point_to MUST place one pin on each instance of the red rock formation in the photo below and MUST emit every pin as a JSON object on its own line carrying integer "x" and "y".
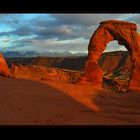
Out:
{"x": 43, "y": 73}
{"x": 4, "y": 71}
{"x": 125, "y": 33}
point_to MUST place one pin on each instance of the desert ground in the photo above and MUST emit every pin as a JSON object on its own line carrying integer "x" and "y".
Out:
{"x": 40, "y": 95}
{"x": 37, "y": 102}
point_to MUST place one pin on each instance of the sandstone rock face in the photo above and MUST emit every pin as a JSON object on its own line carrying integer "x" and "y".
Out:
{"x": 4, "y": 71}
{"x": 126, "y": 34}
{"x": 44, "y": 73}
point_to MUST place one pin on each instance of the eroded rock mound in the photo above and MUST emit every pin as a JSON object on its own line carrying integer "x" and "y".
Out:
{"x": 4, "y": 71}
{"x": 44, "y": 73}
{"x": 126, "y": 34}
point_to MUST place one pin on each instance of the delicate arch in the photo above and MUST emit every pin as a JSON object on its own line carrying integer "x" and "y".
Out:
{"x": 126, "y": 34}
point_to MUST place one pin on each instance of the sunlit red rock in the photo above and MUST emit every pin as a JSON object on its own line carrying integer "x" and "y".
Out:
{"x": 126, "y": 34}
{"x": 4, "y": 71}
{"x": 43, "y": 73}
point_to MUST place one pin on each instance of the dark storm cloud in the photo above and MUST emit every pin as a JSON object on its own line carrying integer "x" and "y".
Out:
{"x": 61, "y": 26}
{"x": 81, "y": 25}
{"x": 76, "y": 19}
{"x": 85, "y": 19}
{"x": 23, "y": 31}
{"x": 25, "y": 41}
{"x": 21, "y": 44}
{"x": 4, "y": 33}
{"x": 59, "y": 32}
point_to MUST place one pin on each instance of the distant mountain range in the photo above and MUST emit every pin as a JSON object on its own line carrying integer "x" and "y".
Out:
{"x": 14, "y": 54}
{"x": 109, "y": 62}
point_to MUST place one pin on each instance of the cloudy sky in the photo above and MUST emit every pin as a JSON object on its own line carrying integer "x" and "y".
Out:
{"x": 54, "y": 32}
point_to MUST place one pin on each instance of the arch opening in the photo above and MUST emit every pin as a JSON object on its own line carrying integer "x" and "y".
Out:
{"x": 113, "y": 46}
{"x": 116, "y": 66}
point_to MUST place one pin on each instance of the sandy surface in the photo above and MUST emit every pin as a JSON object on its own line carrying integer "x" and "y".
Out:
{"x": 37, "y": 102}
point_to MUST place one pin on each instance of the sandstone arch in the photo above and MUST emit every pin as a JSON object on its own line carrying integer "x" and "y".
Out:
{"x": 126, "y": 34}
